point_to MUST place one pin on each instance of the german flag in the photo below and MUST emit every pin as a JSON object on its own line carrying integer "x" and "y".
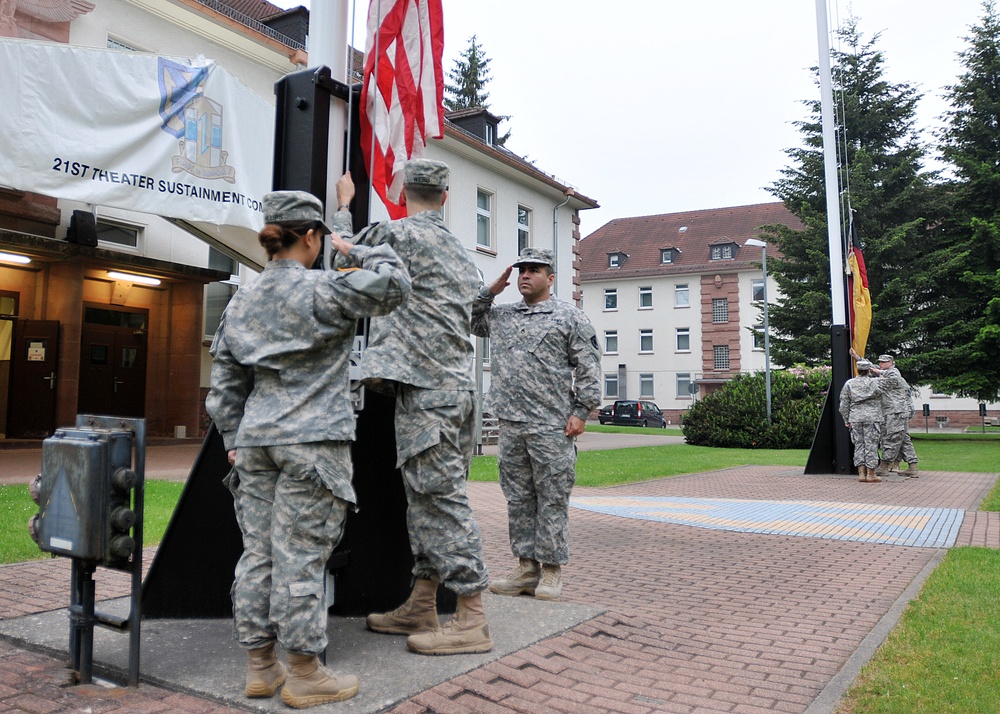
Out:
{"x": 860, "y": 297}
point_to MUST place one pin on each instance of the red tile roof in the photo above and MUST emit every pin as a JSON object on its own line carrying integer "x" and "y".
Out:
{"x": 693, "y": 233}
{"x": 256, "y": 9}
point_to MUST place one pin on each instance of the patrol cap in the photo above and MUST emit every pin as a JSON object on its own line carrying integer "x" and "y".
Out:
{"x": 426, "y": 172}
{"x": 885, "y": 358}
{"x": 864, "y": 365}
{"x": 536, "y": 256}
{"x": 290, "y": 206}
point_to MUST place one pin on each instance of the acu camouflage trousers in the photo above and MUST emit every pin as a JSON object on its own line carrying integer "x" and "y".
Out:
{"x": 435, "y": 429}
{"x": 896, "y": 444}
{"x": 865, "y": 436}
{"x": 291, "y": 522}
{"x": 537, "y": 473}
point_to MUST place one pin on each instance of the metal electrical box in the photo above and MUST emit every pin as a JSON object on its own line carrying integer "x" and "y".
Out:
{"x": 86, "y": 495}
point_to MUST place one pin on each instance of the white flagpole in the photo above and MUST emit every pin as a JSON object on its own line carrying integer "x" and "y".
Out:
{"x": 830, "y": 165}
{"x": 328, "y": 38}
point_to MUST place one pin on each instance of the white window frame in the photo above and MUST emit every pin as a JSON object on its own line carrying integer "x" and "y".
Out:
{"x": 720, "y": 358}
{"x": 683, "y": 378}
{"x": 614, "y": 260}
{"x": 646, "y": 380}
{"x": 721, "y": 252}
{"x": 610, "y": 335}
{"x": 646, "y": 335}
{"x": 685, "y": 290}
{"x": 114, "y": 245}
{"x": 666, "y": 256}
{"x": 757, "y": 290}
{"x": 485, "y": 215}
{"x": 685, "y": 334}
{"x": 523, "y": 228}
{"x": 646, "y": 292}
{"x": 717, "y": 307}
{"x": 612, "y": 293}
{"x": 611, "y": 378}
{"x": 758, "y": 337}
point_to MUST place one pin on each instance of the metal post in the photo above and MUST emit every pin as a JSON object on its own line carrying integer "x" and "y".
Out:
{"x": 767, "y": 330}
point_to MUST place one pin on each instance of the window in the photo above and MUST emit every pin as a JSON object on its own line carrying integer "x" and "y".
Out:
{"x": 610, "y": 298}
{"x": 720, "y": 357}
{"x": 118, "y": 234}
{"x": 484, "y": 220}
{"x": 610, "y": 342}
{"x": 645, "y": 386}
{"x": 757, "y": 290}
{"x": 722, "y": 252}
{"x": 645, "y": 340}
{"x": 758, "y": 336}
{"x": 683, "y": 339}
{"x": 683, "y": 385}
{"x": 523, "y": 228}
{"x": 666, "y": 256}
{"x": 218, "y": 295}
{"x": 490, "y": 134}
{"x": 114, "y": 44}
{"x": 611, "y": 385}
{"x": 645, "y": 298}
{"x": 681, "y": 296}
{"x": 720, "y": 309}
{"x": 614, "y": 260}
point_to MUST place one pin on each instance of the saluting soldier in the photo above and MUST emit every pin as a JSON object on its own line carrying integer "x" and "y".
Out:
{"x": 861, "y": 408}
{"x": 544, "y": 381}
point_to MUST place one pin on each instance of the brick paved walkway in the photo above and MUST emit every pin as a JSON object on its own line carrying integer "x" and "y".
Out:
{"x": 698, "y": 620}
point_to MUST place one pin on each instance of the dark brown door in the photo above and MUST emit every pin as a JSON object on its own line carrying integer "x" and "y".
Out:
{"x": 34, "y": 356}
{"x": 112, "y": 371}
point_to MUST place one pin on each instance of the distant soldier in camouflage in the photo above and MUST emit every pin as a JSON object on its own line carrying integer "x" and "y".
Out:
{"x": 897, "y": 404}
{"x": 544, "y": 380}
{"x": 279, "y": 397}
{"x": 422, "y": 354}
{"x": 861, "y": 408}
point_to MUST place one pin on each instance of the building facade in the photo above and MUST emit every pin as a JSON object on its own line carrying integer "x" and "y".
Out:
{"x": 677, "y": 300}
{"x": 79, "y": 332}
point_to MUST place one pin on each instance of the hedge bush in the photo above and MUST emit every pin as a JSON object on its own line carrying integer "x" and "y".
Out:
{"x": 735, "y": 416}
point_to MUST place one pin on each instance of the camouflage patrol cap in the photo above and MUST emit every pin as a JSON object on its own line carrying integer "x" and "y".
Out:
{"x": 536, "y": 256}
{"x": 426, "y": 172}
{"x": 291, "y": 206}
{"x": 864, "y": 365}
{"x": 885, "y": 358}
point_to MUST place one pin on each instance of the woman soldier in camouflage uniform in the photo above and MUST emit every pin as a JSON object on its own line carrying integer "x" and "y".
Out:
{"x": 280, "y": 399}
{"x": 861, "y": 407}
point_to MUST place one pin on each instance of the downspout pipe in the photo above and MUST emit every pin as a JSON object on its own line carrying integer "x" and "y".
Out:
{"x": 569, "y": 193}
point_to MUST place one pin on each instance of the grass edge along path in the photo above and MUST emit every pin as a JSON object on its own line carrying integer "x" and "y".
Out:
{"x": 942, "y": 655}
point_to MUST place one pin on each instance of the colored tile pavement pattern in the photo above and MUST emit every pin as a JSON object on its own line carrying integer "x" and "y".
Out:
{"x": 872, "y": 523}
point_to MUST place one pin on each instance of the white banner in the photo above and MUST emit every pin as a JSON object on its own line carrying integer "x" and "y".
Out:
{"x": 173, "y": 137}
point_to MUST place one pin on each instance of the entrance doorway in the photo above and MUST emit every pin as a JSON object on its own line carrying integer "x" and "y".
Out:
{"x": 31, "y": 411}
{"x": 113, "y": 347}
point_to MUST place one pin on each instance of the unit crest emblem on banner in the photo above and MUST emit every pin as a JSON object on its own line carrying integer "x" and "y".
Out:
{"x": 196, "y": 121}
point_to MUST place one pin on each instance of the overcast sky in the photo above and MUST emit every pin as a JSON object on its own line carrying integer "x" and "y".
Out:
{"x": 657, "y": 106}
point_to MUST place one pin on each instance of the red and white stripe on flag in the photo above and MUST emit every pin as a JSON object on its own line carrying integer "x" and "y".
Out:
{"x": 406, "y": 107}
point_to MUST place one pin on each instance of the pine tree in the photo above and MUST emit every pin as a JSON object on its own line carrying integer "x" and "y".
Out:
{"x": 880, "y": 159}
{"x": 958, "y": 325}
{"x": 469, "y": 78}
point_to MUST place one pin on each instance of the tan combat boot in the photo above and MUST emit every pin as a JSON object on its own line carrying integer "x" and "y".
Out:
{"x": 417, "y": 614}
{"x": 264, "y": 672}
{"x": 522, "y": 579}
{"x": 873, "y": 476}
{"x": 550, "y": 584}
{"x": 883, "y": 468}
{"x": 465, "y": 633}
{"x": 911, "y": 470}
{"x": 862, "y": 474}
{"x": 310, "y": 684}
{"x": 895, "y": 465}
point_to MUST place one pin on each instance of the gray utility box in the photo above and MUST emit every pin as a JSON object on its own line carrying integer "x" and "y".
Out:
{"x": 86, "y": 495}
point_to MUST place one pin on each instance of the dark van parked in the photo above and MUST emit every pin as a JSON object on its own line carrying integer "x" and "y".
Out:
{"x": 638, "y": 413}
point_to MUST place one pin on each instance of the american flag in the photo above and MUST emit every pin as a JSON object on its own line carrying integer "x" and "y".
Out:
{"x": 403, "y": 90}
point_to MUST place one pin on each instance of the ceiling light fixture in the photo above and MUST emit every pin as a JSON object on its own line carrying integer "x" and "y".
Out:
{"x": 129, "y": 277}
{"x": 14, "y": 258}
